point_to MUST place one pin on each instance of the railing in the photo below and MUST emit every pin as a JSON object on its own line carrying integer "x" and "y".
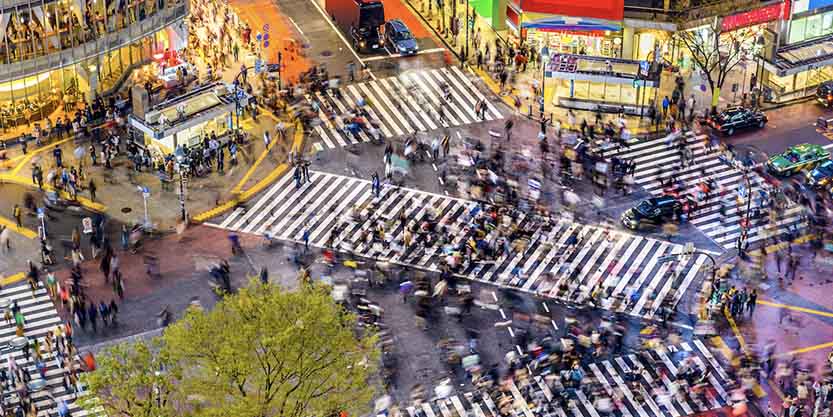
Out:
{"x": 105, "y": 43}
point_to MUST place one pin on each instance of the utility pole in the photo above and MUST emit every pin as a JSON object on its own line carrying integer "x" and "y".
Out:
{"x": 182, "y": 194}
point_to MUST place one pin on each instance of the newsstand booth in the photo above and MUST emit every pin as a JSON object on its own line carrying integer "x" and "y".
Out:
{"x": 185, "y": 120}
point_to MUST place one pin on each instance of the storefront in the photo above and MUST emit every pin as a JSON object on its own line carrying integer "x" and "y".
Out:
{"x": 606, "y": 85}
{"x": 185, "y": 120}
{"x": 572, "y": 27}
{"x": 803, "y": 58}
{"x": 37, "y": 96}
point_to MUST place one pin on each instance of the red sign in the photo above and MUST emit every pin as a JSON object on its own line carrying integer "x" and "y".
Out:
{"x": 757, "y": 16}
{"x": 598, "y": 9}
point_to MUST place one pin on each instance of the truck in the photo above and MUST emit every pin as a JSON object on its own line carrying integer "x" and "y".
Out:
{"x": 359, "y": 20}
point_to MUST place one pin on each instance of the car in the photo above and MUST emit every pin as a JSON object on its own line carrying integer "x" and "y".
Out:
{"x": 821, "y": 175}
{"x": 399, "y": 39}
{"x": 737, "y": 118}
{"x": 796, "y": 158}
{"x": 653, "y": 210}
{"x": 824, "y": 93}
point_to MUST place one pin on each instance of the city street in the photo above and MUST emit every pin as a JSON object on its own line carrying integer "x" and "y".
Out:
{"x": 514, "y": 257}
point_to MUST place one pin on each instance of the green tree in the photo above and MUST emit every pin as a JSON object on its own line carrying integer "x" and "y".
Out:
{"x": 133, "y": 380}
{"x": 268, "y": 352}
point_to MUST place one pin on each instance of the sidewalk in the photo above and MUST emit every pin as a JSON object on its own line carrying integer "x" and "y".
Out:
{"x": 183, "y": 265}
{"x": 793, "y": 315}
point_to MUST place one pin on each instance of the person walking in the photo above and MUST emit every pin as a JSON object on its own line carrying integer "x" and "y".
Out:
{"x": 690, "y": 103}
{"x": 306, "y": 239}
{"x": 18, "y": 216}
{"x": 296, "y": 174}
{"x": 751, "y": 300}
{"x": 5, "y": 240}
{"x": 91, "y": 186}
{"x": 375, "y": 184}
{"x": 267, "y": 141}
{"x": 665, "y": 103}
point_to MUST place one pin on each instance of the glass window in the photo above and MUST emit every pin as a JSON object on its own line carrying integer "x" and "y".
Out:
{"x": 827, "y": 23}
{"x": 797, "y": 30}
{"x": 628, "y": 95}
{"x": 801, "y": 80}
{"x": 613, "y": 93}
{"x": 813, "y": 28}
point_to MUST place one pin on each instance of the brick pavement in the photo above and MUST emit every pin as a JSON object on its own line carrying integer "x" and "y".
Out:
{"x": 183, "y": 264}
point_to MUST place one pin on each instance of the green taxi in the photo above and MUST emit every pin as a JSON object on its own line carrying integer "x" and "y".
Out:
{"x": 797, "y": 158}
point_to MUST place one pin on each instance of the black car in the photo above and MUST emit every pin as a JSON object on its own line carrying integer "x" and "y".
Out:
{"x": 653, "y": 210}
{"x": 824, "y": 93}
{"x": 737, "y": 118}
{"x": 399, "y": 39}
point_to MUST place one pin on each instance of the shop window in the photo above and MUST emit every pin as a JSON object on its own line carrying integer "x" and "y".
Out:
{"x": 783, "y": 84}
{"x": 597, "y": 91}
{"x": 613, "y": 93}
{"x": 827, "y": 23}
{"x": 801, "y": 80}
{"x": 797, "y": 30}
{"x": 813, "y": 27}
{"x": 629, "y": 94}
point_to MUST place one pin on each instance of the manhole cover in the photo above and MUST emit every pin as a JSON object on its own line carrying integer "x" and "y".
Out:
{"x": 126, "y": 210}
{"x": 327, "y": 53}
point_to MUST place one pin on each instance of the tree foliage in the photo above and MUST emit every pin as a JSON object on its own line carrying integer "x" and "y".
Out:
{"x": 134, "y": 380}
{"x": 267, "y": 352}
{"x": 716, "y": 54}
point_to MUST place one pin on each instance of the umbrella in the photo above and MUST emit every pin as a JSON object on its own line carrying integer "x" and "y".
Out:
{"x": 571, "y": 197}
{"x": 406, "y": 287}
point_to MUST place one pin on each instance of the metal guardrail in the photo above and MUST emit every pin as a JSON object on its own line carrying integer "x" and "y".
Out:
{"x": 104, "y": 44}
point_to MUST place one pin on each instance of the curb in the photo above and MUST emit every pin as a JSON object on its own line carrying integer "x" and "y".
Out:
{"x": 11, "y": 279}
{"x": 85, "y": 202}
{"x": 298, "y": 144}
{"x": 24, "y": 231}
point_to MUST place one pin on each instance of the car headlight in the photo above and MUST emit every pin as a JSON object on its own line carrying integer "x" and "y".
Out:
{"x": 362, "y": 44}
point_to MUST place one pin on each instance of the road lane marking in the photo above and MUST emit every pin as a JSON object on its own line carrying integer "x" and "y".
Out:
{"x": 795, "y": 308}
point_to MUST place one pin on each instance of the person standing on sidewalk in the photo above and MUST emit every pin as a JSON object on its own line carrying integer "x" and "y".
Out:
{"x": 92, "y": 189}
{"x": 17, "y": 214}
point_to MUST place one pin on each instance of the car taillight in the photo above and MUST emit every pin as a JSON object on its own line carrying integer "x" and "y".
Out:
{"x": 830, "y": 97}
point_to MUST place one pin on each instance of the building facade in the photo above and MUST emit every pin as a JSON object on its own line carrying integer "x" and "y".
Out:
{"x": 56, "y": 53}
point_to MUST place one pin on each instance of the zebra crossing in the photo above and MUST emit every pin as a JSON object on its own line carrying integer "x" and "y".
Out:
{"x": 402, "y": 104}
{"x": 645, "y": 390}
{"x": 655, "y": 160}
{"x": 562, "y": 260}
{"x": 40, "y": 318}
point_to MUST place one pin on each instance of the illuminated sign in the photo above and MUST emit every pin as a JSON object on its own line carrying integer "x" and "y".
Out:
{"x": 757, "y": 16}
{"x": 599, "y": 9}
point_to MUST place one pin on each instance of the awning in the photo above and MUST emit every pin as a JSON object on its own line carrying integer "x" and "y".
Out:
{"x": 564, "y": 23}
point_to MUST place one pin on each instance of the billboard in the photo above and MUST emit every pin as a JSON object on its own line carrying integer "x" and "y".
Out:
{"x": 598, "y": 9}
{"x": 806, "y": 5}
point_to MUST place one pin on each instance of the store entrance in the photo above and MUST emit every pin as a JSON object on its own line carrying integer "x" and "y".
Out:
{"x": 593, "y": 43}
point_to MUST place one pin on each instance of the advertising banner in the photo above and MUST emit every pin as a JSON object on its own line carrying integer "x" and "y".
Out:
{"x": 599, "y": 9}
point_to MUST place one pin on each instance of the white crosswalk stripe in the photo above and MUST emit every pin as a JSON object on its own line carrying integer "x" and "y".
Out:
{"x": 655, "y": 162}
{"x": 562, "y": 260}
{"x": 40, "y": 318}
{"x": 633, "y": 378}
{"x": 402, "y": 104}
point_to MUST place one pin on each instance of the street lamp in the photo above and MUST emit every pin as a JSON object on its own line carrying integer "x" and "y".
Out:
{"x": 744, "y": 234}
{"x": 182, "y": 165}
{"x": 545, "y": 60}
